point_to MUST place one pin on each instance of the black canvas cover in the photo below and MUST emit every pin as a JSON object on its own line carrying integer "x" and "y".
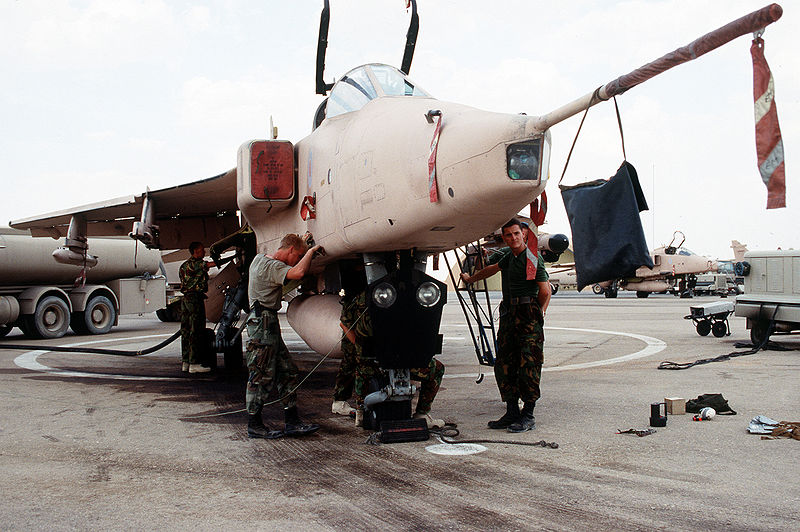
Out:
{"x": 607, "y": 234}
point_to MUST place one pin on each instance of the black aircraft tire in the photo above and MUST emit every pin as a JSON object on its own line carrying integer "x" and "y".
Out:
{"x": 51, "y": 318}
{"x": 719, "y": 329}
{"x": 5, "y": 329}
{"x": 703, "y": 327}
{"x": 234, "y": 359}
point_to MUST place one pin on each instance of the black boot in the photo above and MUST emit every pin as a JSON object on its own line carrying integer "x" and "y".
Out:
{"x": 256, "y": 428}
{"x": 526, "y": 420}
{"x": 511, "y": 415}
{"x": 296, "y": 427}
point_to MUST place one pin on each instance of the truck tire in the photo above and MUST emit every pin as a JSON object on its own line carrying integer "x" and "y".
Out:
{"x": 98, "y": 318}
{"x": 760, "y": 332}
{"x": 50, "y": 320}
{"x": 597, "y": 289}
{"x": 5, "y": 329}
{"x": 553, "y": 289}
{"x": 641, "y": 294}
{"x": 611, "y": 292}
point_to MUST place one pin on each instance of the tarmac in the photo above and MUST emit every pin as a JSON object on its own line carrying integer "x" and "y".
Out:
{"x": 126, "y": 443}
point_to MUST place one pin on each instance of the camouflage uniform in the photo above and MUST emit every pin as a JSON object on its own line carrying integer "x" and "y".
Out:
{"x": 345, "y": 378}
{"x": 367, "y": 367}
{"x": 269, "y": 363}
{"x": 194, "y": 285}
{"x": 520, "y": 336}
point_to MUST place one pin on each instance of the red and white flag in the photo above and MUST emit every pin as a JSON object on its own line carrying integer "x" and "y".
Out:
{"x": 538, "y": 212}
{"x": 769, "y": 145}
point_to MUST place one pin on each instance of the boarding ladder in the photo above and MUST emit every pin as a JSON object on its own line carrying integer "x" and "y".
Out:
{"x": 478, "y": 315}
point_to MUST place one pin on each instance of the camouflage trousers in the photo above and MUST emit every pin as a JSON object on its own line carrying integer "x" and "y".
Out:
{"x": 520, "y": 352}
{"x": 346, "y": 377}
{"x": 269, "y": 364}
{"x": 430, "y": 378}
{"x": 193, "y": 327}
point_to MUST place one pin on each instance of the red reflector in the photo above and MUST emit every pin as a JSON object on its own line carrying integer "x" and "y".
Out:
{"x": 272, "y": 170}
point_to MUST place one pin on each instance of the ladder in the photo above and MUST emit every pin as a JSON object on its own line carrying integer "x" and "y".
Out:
{"x": 478, "y": 315}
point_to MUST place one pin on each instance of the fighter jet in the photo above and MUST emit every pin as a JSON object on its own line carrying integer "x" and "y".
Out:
{"x": 388, "y": 175}
{"x": 675, "y": 270}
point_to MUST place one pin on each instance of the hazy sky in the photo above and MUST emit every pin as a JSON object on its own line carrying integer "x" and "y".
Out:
{"x": 103, "y": 98}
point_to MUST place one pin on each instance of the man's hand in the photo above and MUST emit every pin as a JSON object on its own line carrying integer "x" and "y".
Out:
{"x": 466, "y": 278}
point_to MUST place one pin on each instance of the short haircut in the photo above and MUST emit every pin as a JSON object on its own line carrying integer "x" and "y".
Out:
{"x": 195, "y": 245}
{"x": 293, "y": 240}
{"x": 512, "y": 221}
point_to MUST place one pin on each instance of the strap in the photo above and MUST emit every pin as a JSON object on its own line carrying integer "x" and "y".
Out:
{"x": 595, "y": 95}
{"x": 621, "y": 136}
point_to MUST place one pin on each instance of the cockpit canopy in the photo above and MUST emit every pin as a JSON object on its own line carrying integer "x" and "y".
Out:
{"x": 363, "y": 84}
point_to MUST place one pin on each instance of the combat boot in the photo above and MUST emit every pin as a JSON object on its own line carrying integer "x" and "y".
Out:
{"x": 296, "y": 427}
{"x": 511, "y": 416}
{"x": 257, "y": 429}
{"x": 526, "y": 420}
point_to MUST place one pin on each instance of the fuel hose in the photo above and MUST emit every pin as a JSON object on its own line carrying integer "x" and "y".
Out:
{"x": 94, "y": 350}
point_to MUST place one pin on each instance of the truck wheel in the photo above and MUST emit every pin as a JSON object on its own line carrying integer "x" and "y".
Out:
{"x": 597, "y": 289}
{"x": 5, "y": 329}
{"x": 51, "y": 318}
{"x": 553, "y": 289}
{"x": 641, "y": 294}
{"x": 98, "y": 318}
{"x": 611, "y": 292}
{"x": 759, "y": 332}
{"x": 703, "y": 327}
{"x": 719, "y": 329}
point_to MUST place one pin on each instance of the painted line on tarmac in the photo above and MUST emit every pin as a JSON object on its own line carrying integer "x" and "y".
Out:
{"x": 653, "y": 346}
{"x": 29, "y": 361}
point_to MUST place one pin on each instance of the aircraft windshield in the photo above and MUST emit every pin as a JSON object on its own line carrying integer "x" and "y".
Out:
{"x": 357, "y": 88}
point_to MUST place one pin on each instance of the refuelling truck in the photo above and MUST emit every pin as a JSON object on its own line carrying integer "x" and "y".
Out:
{"x": 45, "y": 289}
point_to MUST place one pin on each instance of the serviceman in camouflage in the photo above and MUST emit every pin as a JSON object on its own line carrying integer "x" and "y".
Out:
{"x": 194, "y": 285}
{"x": 353, "y": 284}
{"x": 520, "y": 337}
{"x": 269, "y": 363}
{"x": 357, "y": 325}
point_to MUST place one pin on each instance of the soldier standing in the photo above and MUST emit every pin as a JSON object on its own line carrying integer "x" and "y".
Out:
{"x": 194, "y": 285}
{"x": 268, "y": 360}
{"x": 520, "y": 337}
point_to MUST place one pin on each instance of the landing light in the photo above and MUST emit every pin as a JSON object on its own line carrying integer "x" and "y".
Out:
{"x": 428, "y": 294}
{"x": 523, "y": 160}
{"x": 384, "y": 295}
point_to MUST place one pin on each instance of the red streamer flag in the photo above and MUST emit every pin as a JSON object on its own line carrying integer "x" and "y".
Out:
{"x": 769, "y": 144}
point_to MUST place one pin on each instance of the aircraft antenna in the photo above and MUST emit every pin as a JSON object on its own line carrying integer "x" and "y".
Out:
{"x": 411, "y": 38}
{"x": 322, "y": 46}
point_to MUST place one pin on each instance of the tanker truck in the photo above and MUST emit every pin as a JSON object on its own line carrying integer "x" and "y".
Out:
{"x": 44, "y": 297}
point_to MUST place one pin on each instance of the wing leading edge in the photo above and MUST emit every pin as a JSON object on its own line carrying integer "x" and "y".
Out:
{"x": 203, "y": 210}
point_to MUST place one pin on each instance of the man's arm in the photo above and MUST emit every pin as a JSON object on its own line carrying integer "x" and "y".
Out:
{"x": 544, "y": 295}
{"x": 480, "y": 274}
{"x": 298, "y": 271}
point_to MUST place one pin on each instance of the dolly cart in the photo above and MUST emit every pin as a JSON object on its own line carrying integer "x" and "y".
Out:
{"x": 711, "y": 317}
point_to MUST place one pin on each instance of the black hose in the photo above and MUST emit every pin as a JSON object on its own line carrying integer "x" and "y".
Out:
{"x": 94, "y": 350}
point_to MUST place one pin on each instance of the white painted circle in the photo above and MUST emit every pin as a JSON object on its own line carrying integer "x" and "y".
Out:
{"x": 653, "y": 346}
{"x": 455, "y": 449}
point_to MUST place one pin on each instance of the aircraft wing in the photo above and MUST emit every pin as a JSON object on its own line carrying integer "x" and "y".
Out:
{"x": 203, "y": 210}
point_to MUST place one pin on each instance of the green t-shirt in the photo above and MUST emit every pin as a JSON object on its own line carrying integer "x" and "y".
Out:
{"x": 513, "y": 273}
{"x": 265, "y": 283}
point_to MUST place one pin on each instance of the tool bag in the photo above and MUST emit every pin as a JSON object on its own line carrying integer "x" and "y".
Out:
{"x": 607, "y": 235}
{"x": 714, "y": 400}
